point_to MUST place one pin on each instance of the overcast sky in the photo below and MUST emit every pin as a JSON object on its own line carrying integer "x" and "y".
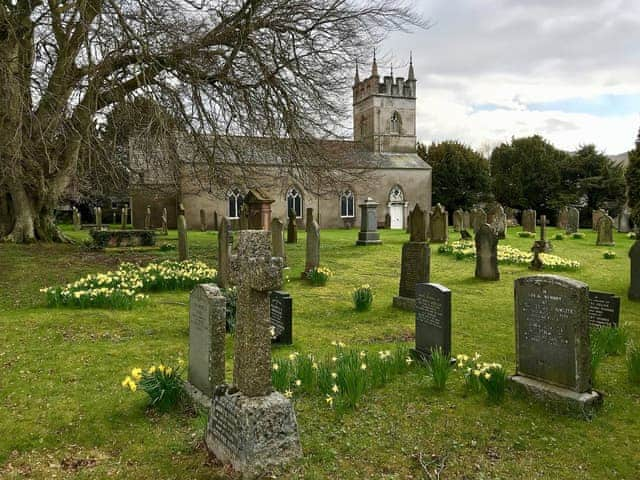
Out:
{"x": 488, "y": 70}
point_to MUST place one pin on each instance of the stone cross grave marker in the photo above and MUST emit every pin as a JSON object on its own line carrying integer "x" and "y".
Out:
{"x": 203, "y": 220}
{"x": 605, "y": 231}
{"x": 573, "y": 220}
{"x": 529, "y": 221}
{"x": 225, "y": 244}
{"x": 433, "y": 319}
{"x": 415, "y": 264}
{"x": 634, "y": 257}
{"x": 553, "y": 356}
{"x": 487, "y": 253}
{"x": 604, "y": 309}
{"x": 281, "y": 312}
{"x": 207, "y": 320}
{"x": 183, "y": 243}
{"x": 165, "y": 228}
{"x": 313, "y": 243}
{"x": 439, "y": 225}
{"x": 498, "y": 220}
{"x": 292, "y": 227}
{"x": 277, "y": 239}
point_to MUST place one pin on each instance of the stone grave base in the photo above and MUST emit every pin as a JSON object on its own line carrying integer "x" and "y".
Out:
{"x": 253, "y": 434}
{"x": 405, "y": 303}
{"x": 606, "y": 244}
{"x": 560, "y": 399}
{"x": 368, "y": 238}
{"x": 543, "y": 246}
{"x": 197, "y": 396}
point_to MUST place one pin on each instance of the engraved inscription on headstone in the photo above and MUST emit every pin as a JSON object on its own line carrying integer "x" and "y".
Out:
{"x": 281, "y": 310}
{"x": 433, "y": 318}
{"x": 226, "y": 427}
{"x": 604, "y": 309}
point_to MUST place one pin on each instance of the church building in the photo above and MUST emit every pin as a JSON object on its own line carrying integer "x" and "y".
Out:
{"x": 383, "y": 148}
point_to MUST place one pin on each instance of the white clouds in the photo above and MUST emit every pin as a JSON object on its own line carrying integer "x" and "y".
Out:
{"x": 510, "y": 54}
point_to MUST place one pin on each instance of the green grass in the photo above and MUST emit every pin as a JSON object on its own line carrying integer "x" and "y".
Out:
{"x": 64, "y": 413}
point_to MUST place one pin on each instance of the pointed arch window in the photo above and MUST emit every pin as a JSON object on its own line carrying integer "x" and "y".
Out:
{"x": 395, "y": 122}
{"x": 235, "y": 200}
{"x": 396, "y": 195}
{"x": 347, "y": 204}
{"x": 294, "y": 201}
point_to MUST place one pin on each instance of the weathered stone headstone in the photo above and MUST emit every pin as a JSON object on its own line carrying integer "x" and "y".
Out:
{"x": 510, "y": 217}
{"x": 292, "y": 228}
{"x": 147, "y": 218}
{"x": 634, "y": 257}
{"x": 466, "y": 220}
{"x": 458, "y": 220}
{"x": 77, "y": 222}
{"x": 573, "y": 220}
{"x": 281, "y": 311}
{"x": 207, "y": 320}
{"x": 387, "y": 221}
{"x": 553, "y": 356}
{"x": 563, "y": 218}
{"x": 529, "y": 221}
{"x": 225, "y": 244}
{"x": 439, "y": 225}
{"x": 277, "y": 239}
{"x": 312, "y": 259}
{"x": 368, "y": 234}
{"x": 478, "y": 218}
{"x": 604, "y": 309}
{"x": 433, "y": 319}
{"x": 415, "y": 264}
{"x": 183, "y": 244}
{"x": 259, "y": 209}
{"x": 605, "y": 231}
{"x": 596, "y": 215}
{"x": 98, "y": 218}
{"x": 165, "y": 228}
{"x": 487, "y": 253}
{"x": 254, "y": 428}
{"x": 624, "y": 220}
{"x": 203, "y": 220}
{"x": 123, "y": 218}
{"x": 498, "y": 220}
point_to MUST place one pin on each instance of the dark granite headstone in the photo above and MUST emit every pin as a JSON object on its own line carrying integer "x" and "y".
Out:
{"x": 634, "y": 257}
{"x": 604, "y": 309}
{"x": 433, "y": 318}
{"x": 486, "y": 242}
{"x": 281, "y": 311}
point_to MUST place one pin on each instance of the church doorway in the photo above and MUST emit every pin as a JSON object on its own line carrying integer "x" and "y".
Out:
{"x": 396, "y": 207}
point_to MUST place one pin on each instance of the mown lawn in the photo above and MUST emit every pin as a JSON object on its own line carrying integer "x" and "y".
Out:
{"x": 63, "y": 413}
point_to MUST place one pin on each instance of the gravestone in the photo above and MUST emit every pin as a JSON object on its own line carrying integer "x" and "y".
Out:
{"x": 415, "y": 264}
{"x": 433, "y": 319}
{"x": 487, "y": 253}
{"x": 203, "y": 220}
{"x": 207, "y": 319}
{"x": 147, "y": 218}
{"x": 292, "y": 227}
{"x": 553, "y": 356}
{"x": 542, "y": 245}
{"x": 573, "y": 220}
{"x": 596, "y": 215}
{"x": 466, "y": 220}
{"x": 510, "y": 217}
{"x": 439, "y": 225}
{"x": 77, "y": 220}
{"x": 368, "y": 234}
{"x": 183, "y": 245}
{"x": 123, "y": 218}
{"x": 604, "y": 309}
{"x": 165, "y": 228}
{"x": 281, "y": 311}
{"x": 624, "y": 220}
{"x": 225, "y": 244}
{"x": 478, "y": 218}
{"x": 215, "y": 221}
{"x": 498, "y": 220}
{"x": 563, "y": 218}
{"x": 458, "y": 220}
{"x": 259, "y": 209}
{"x": 605, "y": 231}
{"x": 277, "y": 239}
{"x": 250, "y": 426}
{"x": 312, "y": 259}
{"x": 99, "y": 218}
{"x": 387, "y": 221}
{"x": 634, "y": 257}
{"x": 529, "y": 221}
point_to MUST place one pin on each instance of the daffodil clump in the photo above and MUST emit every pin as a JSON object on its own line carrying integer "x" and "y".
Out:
{"x": 478, "y": 375}
{"x": 123, "y": 288}
{"x": 319, "y": 276}
{"x": 509, "y": 255}
{"x": 341, "y": 378}
{"x": 631, "y": 235}
{"x": 163, "y": 384}
{"x": 609, "y": 255}
{"x": 362, "y": 298}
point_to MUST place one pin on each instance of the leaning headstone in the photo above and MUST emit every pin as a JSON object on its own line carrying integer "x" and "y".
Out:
{"x": 634, "y": 257}
{"x": 433, "y": 319}
{"x": 487, "y": 253}
{"x": 292, "y": 227}
{"x": 147, "y": 218}
{"x": 281, "y": 312}
{"x": 563, "y": 218}
{"x": 596, "y": 215}
{"x": 165, "y": 228}
{"x": 277, "y": 239}
{"x": 458, "y": 220}
{"x": 498, "y": 221}
{"x": 439, "y": 225}
{"x": 624, "y": 220}
{"x": 123, "y": 219}
{"x": 183, "y": 245}
{"x": 207, "y": 319}
{"x": 99, "y": 218}
{"x": 415, "y": 264}
{"x": 368, "y": 234}
{"x": 605, "y": 231}
{"x": 203, "y": 220}
{"x": 573, "y": 220}
{"x": 553, "y": 356}
{"x": 250, "y": 426}
{"x": 225, "y": 244}
{"x": 478, "y": 218}
{"x": 312, "y": 259}
{"x": 604, "y": 309}
{"x": 529, "y": 221}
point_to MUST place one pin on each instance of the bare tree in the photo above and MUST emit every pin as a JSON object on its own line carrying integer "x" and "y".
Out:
{"x": 271, "y": 69}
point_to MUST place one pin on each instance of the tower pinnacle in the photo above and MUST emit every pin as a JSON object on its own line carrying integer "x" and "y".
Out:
{"x": 374, "y": 66}
{"x": 412, "y": 75}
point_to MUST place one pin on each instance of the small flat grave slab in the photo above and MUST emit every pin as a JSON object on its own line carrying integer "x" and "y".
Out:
{"x": 604, "y": 309}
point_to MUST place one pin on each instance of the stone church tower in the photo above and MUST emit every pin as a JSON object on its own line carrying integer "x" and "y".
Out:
{"x": 384, "y": 114}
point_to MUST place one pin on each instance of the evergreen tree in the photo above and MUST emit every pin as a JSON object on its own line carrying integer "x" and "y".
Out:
{"x": 633, "y": 182}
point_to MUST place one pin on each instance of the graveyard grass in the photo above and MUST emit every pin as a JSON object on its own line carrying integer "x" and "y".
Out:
{"x": 63, "y": 412}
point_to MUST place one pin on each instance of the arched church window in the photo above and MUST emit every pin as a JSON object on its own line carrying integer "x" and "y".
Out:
{"x": 235, "y": 199}
{"x": 396, "y": 194}
{"x": 395, "y": 122}
{"x": 294, "y": 201}
{"x": 347, "y": 204}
